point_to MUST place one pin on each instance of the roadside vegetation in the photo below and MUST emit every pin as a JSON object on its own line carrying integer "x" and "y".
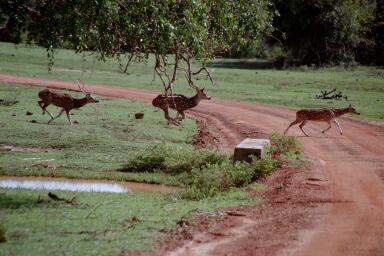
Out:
{"x": 205, "y": 173}
{"x": 235, "y": 79}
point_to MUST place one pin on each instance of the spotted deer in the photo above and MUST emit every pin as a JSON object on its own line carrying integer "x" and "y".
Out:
{"x": 65, "y": 101}
{"x": 179, "y": 102}
{"x": 321, "y": 115}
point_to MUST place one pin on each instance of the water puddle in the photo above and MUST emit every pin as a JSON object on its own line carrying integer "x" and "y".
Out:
{"x": 82, "y": 185}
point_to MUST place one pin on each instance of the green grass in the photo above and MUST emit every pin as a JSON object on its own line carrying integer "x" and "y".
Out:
{"x": 106, "y": 137}
{"x": 101, "y": 223}
{"x": 105, "y": 140}
{"x": 364, "y": 86}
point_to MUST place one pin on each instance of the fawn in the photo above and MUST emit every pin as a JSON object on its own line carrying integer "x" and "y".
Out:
{"x": 65, "y": 101}
{"x": 325, "y": 115}
{"x": 178, "y": 102}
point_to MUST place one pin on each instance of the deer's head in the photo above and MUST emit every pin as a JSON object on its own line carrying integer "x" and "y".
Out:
{"x": 201, "y": 94}
{"x": 90, "y": 98}
{"x": 352, "y": 110}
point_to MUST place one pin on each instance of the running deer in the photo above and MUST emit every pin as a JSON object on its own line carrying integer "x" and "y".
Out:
{"x": 321, "y": 115}
{"x": 65, "y": 101}
{"x": 180, "y": 103}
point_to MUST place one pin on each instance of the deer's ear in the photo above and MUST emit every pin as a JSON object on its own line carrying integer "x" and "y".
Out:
{"x": 202, "y": 89}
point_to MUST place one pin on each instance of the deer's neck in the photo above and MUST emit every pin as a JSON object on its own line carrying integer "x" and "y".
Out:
{"x": 194, "y": 101}
{"x": 340, "y": 111}
{"x": 78, "y": 103}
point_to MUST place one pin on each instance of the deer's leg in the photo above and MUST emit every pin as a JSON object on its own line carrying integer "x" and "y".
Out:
{"x": 338, "y": 125}
{"x": 69, "y": 117}
{"x": 41, "y": 104}
{"x": 301, "y": 127}
{"x": 182, "y": 115}
{"x": 329, "y": 127}
{"x": 61, "y": 112}
{"x": 169, "y": 119}
{"x": 291, "y": 124}
{"x": 44, "y": 107}
{"x": 49, "y": 113}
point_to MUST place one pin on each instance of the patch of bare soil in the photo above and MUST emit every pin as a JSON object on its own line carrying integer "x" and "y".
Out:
{"x": 294, "y": 199}
{"x": 205, "y": 137}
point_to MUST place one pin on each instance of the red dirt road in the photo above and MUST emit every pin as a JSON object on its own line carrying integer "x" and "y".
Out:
{"x": 343, "y": 208}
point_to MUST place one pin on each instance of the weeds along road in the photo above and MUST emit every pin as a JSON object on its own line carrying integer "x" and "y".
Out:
{"x": 353, "y": 164}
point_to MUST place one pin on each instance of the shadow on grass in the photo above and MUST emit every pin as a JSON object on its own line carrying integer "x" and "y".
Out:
{"x": 17, "y": 202}
{"x": 242, "y": 64}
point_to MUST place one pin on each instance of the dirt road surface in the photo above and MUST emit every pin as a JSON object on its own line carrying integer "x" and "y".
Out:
{"x": 335, "y": 208}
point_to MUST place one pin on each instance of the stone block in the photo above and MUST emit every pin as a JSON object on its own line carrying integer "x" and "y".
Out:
{"x": 250, "y": 147}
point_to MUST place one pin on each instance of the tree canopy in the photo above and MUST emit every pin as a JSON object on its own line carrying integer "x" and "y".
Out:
{"x": 185, "y": 30}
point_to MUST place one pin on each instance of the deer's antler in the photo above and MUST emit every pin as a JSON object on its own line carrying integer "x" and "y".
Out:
{"x": 81, "y": 87}
{"x": 206, "y": 71}
{"x": 190, "y": 73}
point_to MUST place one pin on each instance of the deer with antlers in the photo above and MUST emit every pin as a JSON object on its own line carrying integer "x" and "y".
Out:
{"x": 321, "y": 115}
{"x": 65, "y": 101}
{"x": 178, "y": 102}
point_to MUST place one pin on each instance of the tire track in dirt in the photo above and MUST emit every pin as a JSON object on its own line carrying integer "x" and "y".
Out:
{"x": 353, "y": 168}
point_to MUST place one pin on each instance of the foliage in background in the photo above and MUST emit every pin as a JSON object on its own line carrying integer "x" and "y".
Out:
{"x": 378, "y": 33}
{"x": 323, "y": 32}
{"x": 2, "y": 234}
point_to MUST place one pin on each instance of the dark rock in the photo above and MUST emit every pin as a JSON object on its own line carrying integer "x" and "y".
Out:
{"x": 139, "y": 115}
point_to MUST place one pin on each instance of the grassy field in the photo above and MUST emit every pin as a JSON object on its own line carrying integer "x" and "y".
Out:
{"x": 100, "y": 224}
{"x": 364, "y": 86}
{"x": 105, "y": 139}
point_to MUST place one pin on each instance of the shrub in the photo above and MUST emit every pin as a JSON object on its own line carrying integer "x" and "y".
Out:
{"x": 221, "y": 177}
{"x": 167, "y": 158}
{"x": 284, "y": 144}
{"x": 2, "y": 234}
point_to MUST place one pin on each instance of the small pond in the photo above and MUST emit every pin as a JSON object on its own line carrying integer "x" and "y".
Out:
{"x": 82, "y": 185}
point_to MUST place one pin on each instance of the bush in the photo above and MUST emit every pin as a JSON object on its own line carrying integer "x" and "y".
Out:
{"x": 167, "y": 158}
{"x": 284, "y": 144}
{"x": 214, "y": 179}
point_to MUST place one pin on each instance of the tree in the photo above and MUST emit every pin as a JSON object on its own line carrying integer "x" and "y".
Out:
{"x": 379, "y": 33}
{"x": 170, "y": 29}
{"x": 323, "y": 31}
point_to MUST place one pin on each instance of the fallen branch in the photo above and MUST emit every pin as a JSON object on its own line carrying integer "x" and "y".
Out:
{"x": 331, "y": 95}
